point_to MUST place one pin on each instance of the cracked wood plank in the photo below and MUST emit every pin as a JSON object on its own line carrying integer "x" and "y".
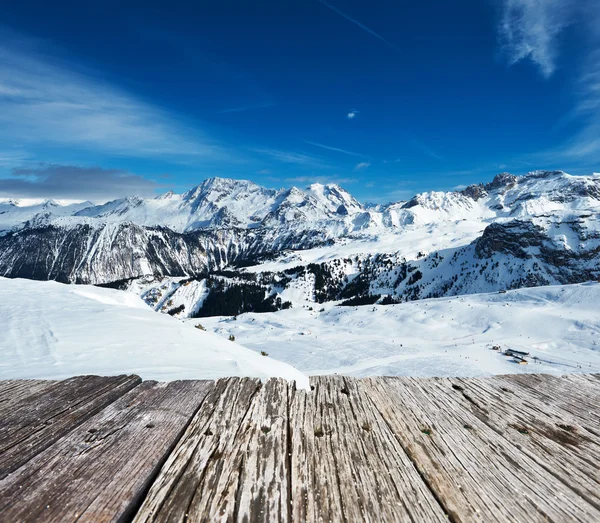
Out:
{"x": 215, "y": 461}
{"x": 43, "y": 417}
{"x": 101, "y": 470}
{"x": 552, "y": 439}
{"x": 580, "y": 400}
{"x": 477, "y": 474}
{"x": 346, "y": 463}
{"x": 13, "y": 392}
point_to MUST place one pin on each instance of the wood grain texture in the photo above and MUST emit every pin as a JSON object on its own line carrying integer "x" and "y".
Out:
{"x": 508, "y": 448}
{"x": 102, "y": 469}
{"x": 203, "y": 478}
{"x": 346, "y": 463}
{"x": 581, "y": 399}
{"x": 13, "y": 392}
{"x": 554, "y": 440}
{"x": 43, "y": 417}
{"x": 478, "y": 474}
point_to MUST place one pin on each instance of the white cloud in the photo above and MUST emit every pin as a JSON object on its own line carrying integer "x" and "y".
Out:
{"x": 292, "y": 157}
{"x": 44, "y": 102}
{"x": 530, "y": 29}
{"x": 586, "y": 143}
{"x": 359, "y": 24}
{"x": 74, "y": 182}
{"x": 362, "y": 165}
{"x": 351, "y": 115}
{"x": 320, "y": 179}
{"x": 335, "y": 149}
{"x": 250, "y": 107}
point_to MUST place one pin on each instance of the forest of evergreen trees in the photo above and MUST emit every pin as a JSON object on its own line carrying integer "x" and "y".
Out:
{"x": 231, "y": 299}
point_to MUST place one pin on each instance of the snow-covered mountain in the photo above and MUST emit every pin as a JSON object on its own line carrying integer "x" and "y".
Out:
{"x": 223, "y": 203}
{"x": 541, "y": 228}
{"x": 18, "y": 213}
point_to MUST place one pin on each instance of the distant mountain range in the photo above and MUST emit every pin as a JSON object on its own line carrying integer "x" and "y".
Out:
{"x": 540, "y": 228}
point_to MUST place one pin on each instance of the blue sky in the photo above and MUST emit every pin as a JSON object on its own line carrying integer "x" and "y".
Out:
{"x": 387, "y": 98}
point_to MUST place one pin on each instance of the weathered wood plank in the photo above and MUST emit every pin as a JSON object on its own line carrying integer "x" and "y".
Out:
{"x": 13, "y": 392}
{"x": 555, "y": 442}
{"x": 580, "y": 400}
{"x": 590, "y": 380}
{"x": 50, "y": 413}
{"x": 346, "y": 463}
{"x": 476, "y": 473}
{"x": 101, "y": 470}
{"x": 202, "y": 479}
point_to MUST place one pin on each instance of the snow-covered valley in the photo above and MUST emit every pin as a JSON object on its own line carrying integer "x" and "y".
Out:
{"x": 316, "y": 279}
{"x": 558, "y": 326}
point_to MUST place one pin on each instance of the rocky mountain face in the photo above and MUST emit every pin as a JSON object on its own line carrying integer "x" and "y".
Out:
{"x": 536, "y": 229}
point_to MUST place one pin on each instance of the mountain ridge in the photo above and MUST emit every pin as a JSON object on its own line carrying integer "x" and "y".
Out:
{"x": 536, "y": 229}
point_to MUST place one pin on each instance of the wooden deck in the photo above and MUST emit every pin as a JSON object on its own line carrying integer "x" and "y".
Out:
{"x": 510, "y": 448}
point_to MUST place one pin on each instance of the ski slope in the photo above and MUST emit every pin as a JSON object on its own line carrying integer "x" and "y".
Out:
{"x": 50, "y": 330}
{"x": 560, "y": 325}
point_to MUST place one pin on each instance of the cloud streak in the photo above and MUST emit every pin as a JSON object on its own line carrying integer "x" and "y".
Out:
{"x": 335, "y": 149}
{"x": 74, "y": 182}
{"x": 361, "y": 166}
{"x": 320, "y": 179}
{"x": 244, "y": 108}
{"x": 292, "y": 157}
{"x": 47, "y": 103}
{"x": 529, "y": 29}
{"x": 362, "y": 26}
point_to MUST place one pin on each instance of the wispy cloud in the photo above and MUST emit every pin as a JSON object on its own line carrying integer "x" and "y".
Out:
{"x": 425, "y": 149}
{"x": 251, "y": 107}
{"x": 352, "y": 114}
{"x": 586, "y": 143}
{"x": 335, "y": 149}
{"x": 362, "y": 165}
{"x": 321, "y": 179}
{"x": 293, "y": 157}
{"x": 362, "y": 26}
{"x": 74, "y": 182}
{"x": 46, "y": 102}
{"x": 530, "y": 29}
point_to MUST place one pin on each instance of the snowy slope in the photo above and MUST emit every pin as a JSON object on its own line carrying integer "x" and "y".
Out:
{"x": 559, "y": 325}
{"x": 50, "y": 330}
